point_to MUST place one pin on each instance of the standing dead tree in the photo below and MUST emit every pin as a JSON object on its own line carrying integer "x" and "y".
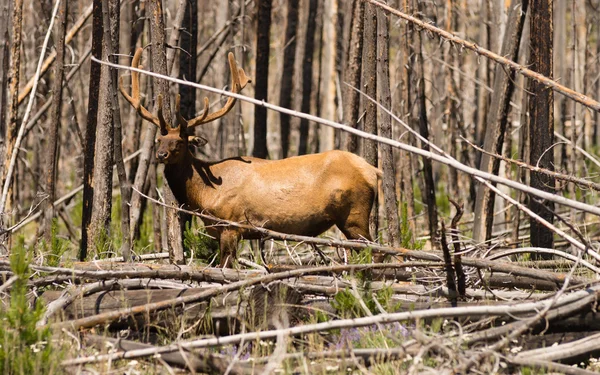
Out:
{"x": 541, "y": 120}
{"x": 263, "y": 28}
{"x": 289, "y": 60}
{"x": 497, "y": 119}
{"x": 90, "y": 132}
{"x": 385, "y": 128}
{"x": 53, "y": 129}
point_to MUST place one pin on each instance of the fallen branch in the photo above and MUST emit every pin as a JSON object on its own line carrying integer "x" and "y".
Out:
{"x": 502, "y": 310}
{"x": 576, "y": 96}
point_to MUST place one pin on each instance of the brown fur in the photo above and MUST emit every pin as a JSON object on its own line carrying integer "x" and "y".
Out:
{"x": 303, "y": 195}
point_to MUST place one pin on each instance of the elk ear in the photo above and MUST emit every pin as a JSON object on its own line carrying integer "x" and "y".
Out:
{"x": 196, "y": 141}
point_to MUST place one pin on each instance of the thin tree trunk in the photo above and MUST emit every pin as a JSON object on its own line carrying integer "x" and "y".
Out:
{"x": 161, "y": 87}
{"x": 497, "y": 120}
{"x": 287, "y": 76}
{"x": 263, "y": 27}
{"x": 307, "y": 74}
{"x": 4, "y": 64}
{"x": 90, "y": 132}
{"x": 370, "y": 74}
{"x": 328, "y": 73}
{"x": 352, "y": 75}
{"x": 385, "y": 128}
{"x": 52, "y": 134}
{"x": 428, "y": 192}
{"x": 99, "y": 230}
{"x": 187, "y": 70}
{"x": 13, "y": 92}
{"x": 541, "y": 121}
{"x": 111, "y": 18}
{"x": 405, "y": 161}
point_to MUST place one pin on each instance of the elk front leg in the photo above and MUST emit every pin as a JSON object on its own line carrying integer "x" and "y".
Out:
{"x": 228, "y": 242}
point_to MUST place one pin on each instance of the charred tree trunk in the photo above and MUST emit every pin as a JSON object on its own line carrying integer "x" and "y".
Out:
{"x": 541, "y": 120}
{"x": 352, "y": 74}
{"x": 428, "y": 193}
{"x": 370, "y": 74}
{"x": 287, "y": 76}
{"x": 10, "y": 136}
{"x": 385, "y": 128}
{"x": 263, "y": 27}
{"x": 53, "y": 129}
{"x": 90, "y": 132}
{"x": 161, "y": 87}
{"x": 497, "y": 120}
{"x": 307, "y": 74}
{"x": 187, "y": 70}
{"x": 99, "y": 231}
{"x": 111, "y": 19}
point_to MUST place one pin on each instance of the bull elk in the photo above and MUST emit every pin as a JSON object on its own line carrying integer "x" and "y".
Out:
{"x": 303, "y": 195}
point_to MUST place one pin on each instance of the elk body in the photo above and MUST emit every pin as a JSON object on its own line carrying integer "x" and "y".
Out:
{"x": 304, "y": 195}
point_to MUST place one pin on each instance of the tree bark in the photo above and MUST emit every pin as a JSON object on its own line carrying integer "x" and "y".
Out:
{"x": 287, "y": 76}
{"x": 187, "y": 70}
{"x": 385, "y": 128}
{"x": 111, "y": 18}
{"x": 370, "y": 73}
{"x": 541, "y": 121}
{"x": 428, "y": 193}
{"x": 161, "y": 87}
{"x": 99, "y": 235}
{"x": 13, "y": 92}
{"x": 54, "y": 124}
{"x": 90, "y": 132}
{"x": 497, "y": 120}
{"x": 307, "y": 73}
{"x": 263, "y": 28}
{"x": 352, "y": 74}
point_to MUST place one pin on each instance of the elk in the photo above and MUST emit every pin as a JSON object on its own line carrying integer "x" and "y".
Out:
{"x": 302, "y": 195}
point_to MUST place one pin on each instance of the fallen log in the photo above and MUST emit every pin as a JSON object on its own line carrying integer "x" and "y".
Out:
{"x": 258, "y": 308}
{"x": 202, "y": 361}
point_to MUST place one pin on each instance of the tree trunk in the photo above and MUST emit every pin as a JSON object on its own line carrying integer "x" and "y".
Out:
{"x": 428, "y": 192}
{"x": 13, "y": 92}
{"x": 307, "y": 74}
{"x": 352, "y": 74}
{"x": 161, "y": 87}
{"x": 263, "y": 28}
{"x": 497, "y": 120}
{"x": 541, "y": 121}
{"x": 52, "y": 134}
{"x": 111, "y": 18}
{"x": 370, "y": 74}
{"x": 287, "y": 76}
{"x": 187, "y": 70}
{"x": 90, "y": 133}
{"x": 99, "y": 235}
{"x": 328, "y": 75}
{"x": 385, "y": 128}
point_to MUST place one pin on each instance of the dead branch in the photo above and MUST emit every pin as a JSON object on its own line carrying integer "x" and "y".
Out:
{"x": 578, "y": 97}
{"x": 521, "y": 308}
{"x": 403, "y": 146}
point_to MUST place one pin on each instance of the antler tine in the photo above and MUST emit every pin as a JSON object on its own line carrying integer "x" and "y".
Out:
{"x": 200, "y": 119}
{"x": 239, "y": 80}
{"x": 134, "y": 98}
{"x": 163, "y": 124}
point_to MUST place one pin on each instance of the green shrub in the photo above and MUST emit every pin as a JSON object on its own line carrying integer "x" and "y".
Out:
{"x": 24, "y": 348}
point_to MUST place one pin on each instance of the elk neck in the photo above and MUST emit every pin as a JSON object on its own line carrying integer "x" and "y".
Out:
{"x": 188, "y": 178}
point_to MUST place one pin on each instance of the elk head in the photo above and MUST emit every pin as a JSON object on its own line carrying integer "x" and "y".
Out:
{"x": 173, "y": 142}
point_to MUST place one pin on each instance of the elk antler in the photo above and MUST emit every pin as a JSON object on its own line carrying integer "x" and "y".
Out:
{"x": 239, "y": 80}
{"x": 134, "y": 98}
